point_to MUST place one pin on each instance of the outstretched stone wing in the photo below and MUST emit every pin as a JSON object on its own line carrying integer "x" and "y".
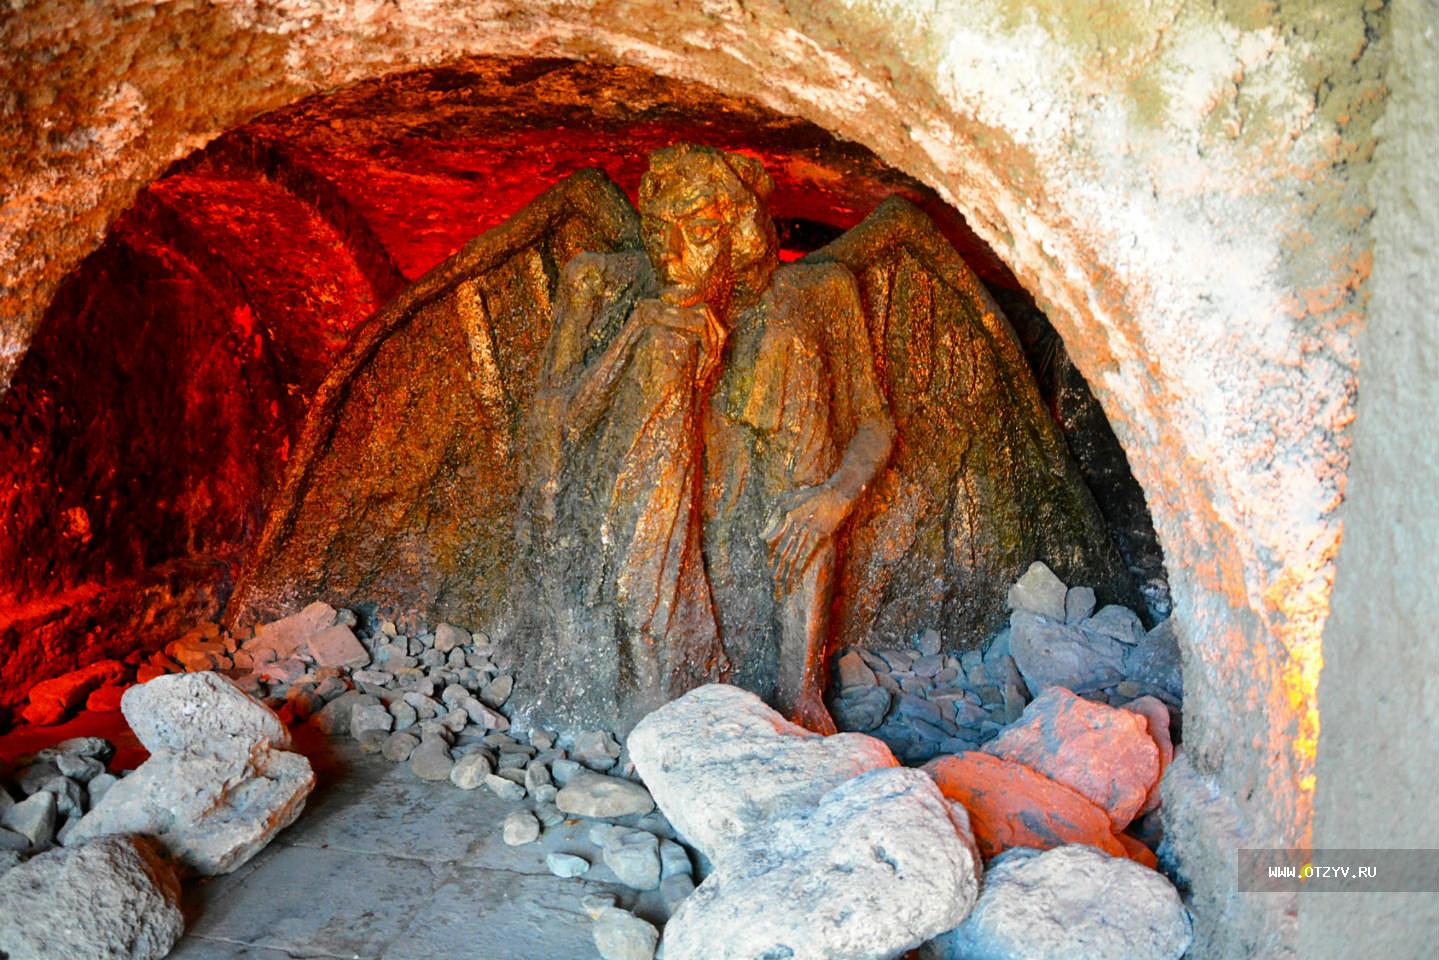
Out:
{"x": 403, "y": 487}
{"x": 981, "y": 482}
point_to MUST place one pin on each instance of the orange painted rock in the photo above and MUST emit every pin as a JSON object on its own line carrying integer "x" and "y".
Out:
{"x": 1102, "y": 752}
{"x": 1011, "y": 805}
{"x": 1137, "y": 851}
{"x": 1157, "y": 714}
{"x": 105, "y": 699}
{"x": 52, "y": 700}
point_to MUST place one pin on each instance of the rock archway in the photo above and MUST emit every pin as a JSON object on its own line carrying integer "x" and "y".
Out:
{"x": 1182, "y": 188}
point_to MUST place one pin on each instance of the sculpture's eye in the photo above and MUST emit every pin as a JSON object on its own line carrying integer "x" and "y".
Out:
{"x": 703, "y": 231}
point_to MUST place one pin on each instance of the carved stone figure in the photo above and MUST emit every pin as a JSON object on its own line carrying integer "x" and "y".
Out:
{"x": 706, "y": 421}
{"x": 642, "y": 454}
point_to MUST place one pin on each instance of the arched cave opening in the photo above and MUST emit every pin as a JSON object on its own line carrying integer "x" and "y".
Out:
{"x": 149, "y": 430}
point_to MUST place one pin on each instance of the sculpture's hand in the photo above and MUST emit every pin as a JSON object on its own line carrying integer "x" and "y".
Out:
{"x": 677, "y": 309}
{"x": 805, "y": 521}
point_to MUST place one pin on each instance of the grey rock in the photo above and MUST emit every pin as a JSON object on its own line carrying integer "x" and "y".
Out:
{"x": 32, "y": 818}
{"x": 674, "y": 859}
{"x": 928, "y": 665}
{"x": 431, "y": 760}
{"x": 111, "y": 899}
{"x": 594, "y": 904}
{"x": 497, "y": 691}
{"x": 854, "y": 672}
{"x": 96, "y": 788}
{"x": 1039, "y": 591}
{"x": 369, "y": 716}
{"x": 521, "y": 828}
{"x": 449, "y": 637}
{"x": 334, "y": 717}
{"x": 880, "y": 865}
{"x": 566, "y": 864}
{"x": 504, "y": 789}
{"x": 673, "y": 890}
{"x": 96, "y": 747}
{"x": 928, "y": 642}
{"x": 374, "y": 678}
{"x": 336, "y": 646}
{"x": 1070, "y": 902}
{"x": 12, "y": 842}
{"x": 1078, "y": 604}
{"x": 513, "y": 760}
{"x": 286, "y": 637}
{"x": 1050, "y": 653}
{"x": 562, "y": 770}
{"x": 1155, "y": 663}
{"x": 634, "y": 857}
{"x": 484, "y": 716}
{"x": 861, "y": 708}
{"x": 620, "y": 935}
{"x": 1118, "y": 623}
{"x": 549, "y": 815}
{"x": 546, "y": 793}
{"x": 542, "y": 739}
{"x": 399, "y": 746}
{"x": 721, "y": 763}
{"x": 79, "y": 768}
{"x": 596, "y": 749}
{"x": 470, "y": 770}
{"x": 69, "y": 796}
{"x": 405, "y": 715}
{"x": 596, "y": 795}
{"x": 536, "y": 775}
{"x": 455, "y": 720}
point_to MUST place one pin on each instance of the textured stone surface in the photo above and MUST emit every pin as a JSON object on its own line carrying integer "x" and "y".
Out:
{"x": 1071, "y": 903}
{"x": 110, "y": 899}
{"x": 52, "y": 700}
{"x": 1101, "y": 752}
{"x": 219, "y": 783}
{"x": 620, "y": 935}
{"x": 720, "y": 763}
{"x": 1052, "y": 653}
{"x": 596, "y": 795}
{"x": 1011, "y": 805}
{"x": 875, "y": 869}
{"x": 1157, "y": 714}
{"x": 201, "y": 713}
{"x": 1039, "y": 591}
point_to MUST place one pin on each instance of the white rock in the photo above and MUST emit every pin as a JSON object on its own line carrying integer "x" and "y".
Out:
{"x": 449, "y": 637}
{"x": 1039, "y": 591}
{"x": 882, "y": 864}
{"x": 33, "y": 818}
{"x": 200, "y": 713}
{"x": 336, "y": 646}
{"x": 1069, "y": 903}
{"x": 521, "y": 828}
{"x": 634, "y": 857}
{"x": 1078, "y": 604}
{"x": 719, "y": 763}
{"x": 596, "y": 795}
{"x": 110, "y": 898}
{"x": 620, "y": 935}
{"x": 470, "y": 770}
{"x": 218, "y": 784}
{"x": 368, "y": 716}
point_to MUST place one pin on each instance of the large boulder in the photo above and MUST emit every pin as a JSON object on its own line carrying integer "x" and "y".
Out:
{"x": 113, "y": 898}
{"x": 1070, "y": 903}
{"x": 720, "y": 763}
{"x": 1011, "y": 805}
{"x": 219, "y": 783}
{"x": 1100, "y": 751}
{"x": 880, "y": 865}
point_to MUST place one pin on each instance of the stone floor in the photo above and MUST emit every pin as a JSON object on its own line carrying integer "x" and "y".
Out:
{"x": 384, "y": 865}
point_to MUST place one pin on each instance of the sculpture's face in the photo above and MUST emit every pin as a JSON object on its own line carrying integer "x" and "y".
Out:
{"x": 688, "y": 233}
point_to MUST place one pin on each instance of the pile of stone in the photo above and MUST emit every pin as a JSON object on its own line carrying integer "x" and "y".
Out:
{"x": 49, "y": 794}
{"x": 925, "y": 703}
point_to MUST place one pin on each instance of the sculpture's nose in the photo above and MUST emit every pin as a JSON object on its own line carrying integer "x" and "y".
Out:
{"x": 674, "y": 242}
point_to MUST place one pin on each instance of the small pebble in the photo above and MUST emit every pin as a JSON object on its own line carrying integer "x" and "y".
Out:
{"x": 521, "y": 828}
{"x": 566, "y": 865}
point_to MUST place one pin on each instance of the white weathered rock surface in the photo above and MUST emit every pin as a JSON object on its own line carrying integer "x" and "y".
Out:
{"x": 111, "y": 899}
{"x": 200, "y": 713}
{"x": 336, "y": 646}
{"x": 33, "y": 818}
{"x": 877, "y": 868}
{"x": 1069, "y": 903}
{"x": 286, "y": 637}
{"x": 216, "y": 787}
{"x": 597, "y": 795}
{"x": 720, "y": 763}
{"x": 620, "y": 935}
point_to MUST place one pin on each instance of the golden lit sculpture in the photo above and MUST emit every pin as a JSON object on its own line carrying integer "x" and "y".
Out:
{"x": 720, "y": 466}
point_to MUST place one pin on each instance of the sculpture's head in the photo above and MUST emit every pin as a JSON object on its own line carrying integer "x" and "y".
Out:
{"x": 705, "y": 222}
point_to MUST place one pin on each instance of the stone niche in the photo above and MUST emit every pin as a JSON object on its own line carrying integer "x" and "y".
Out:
{"x": 1197, "y": 240}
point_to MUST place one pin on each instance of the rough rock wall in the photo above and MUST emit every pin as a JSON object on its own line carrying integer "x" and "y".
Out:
{"x": 1180, "y": 184}
{"x": 1378, "y": 753}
